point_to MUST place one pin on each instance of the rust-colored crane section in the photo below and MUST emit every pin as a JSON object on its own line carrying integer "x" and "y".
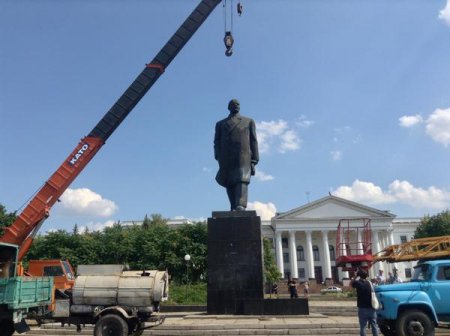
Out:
{"x": 417, "y": 249}
{"x": 27, "y": 224}
{"x": 20, "y": 232}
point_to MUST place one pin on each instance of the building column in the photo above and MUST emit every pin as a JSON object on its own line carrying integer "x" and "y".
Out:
{"x": 293, "y": 255}
{"x": 309, "y": 256}
{"x": 385, "y": 240}
{"x": 391, "y": 236}
{"x": 326, "y": 254}
{"x": 279, "y": 252}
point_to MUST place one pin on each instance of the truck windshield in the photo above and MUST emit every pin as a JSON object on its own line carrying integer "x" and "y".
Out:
{"x": 421, "y": 273}
{"x": 68, "y": 270}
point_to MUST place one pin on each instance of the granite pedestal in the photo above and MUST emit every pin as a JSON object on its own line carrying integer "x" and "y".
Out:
{"x": 235, "y": 268}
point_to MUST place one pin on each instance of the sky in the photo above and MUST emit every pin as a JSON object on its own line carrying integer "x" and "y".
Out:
{"x": 349, "y": 97}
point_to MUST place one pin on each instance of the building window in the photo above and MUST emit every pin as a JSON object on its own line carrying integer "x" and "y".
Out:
{"x": 408, "y": 272}
{"x": 332, "y": 253}
{"x": 300, "y": 253}
{"x": 301, "y": 272}
{"x": 286, "y": 257}
{"x": 316, "y": 255}
{"x": 284, "y": 242}
{"x": 403, "y": 239}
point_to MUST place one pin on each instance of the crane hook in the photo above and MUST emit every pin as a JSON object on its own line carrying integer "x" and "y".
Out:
{"x": 228, "y": 40}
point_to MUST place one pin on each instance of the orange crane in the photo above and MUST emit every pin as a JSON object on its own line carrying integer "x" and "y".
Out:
{"x": 22, "y": 232}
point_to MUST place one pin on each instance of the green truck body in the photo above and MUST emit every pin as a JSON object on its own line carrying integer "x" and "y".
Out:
{"x": 26, "y": 292}
{"x": 20, "y": 297}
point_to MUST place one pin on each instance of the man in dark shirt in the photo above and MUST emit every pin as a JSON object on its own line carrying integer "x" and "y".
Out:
{"x": 364, "y": 302}
{"x": 292, "y": 285}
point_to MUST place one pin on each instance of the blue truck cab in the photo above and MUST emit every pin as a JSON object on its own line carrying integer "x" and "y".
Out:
{"x": 416, "y": 307}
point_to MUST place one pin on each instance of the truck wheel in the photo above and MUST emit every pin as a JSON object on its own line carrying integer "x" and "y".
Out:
{"x": 6, "y": 327}
{"x": 414, "y": 323}
{"x": 111, "y": 325}
{"x": 386, "y": 330}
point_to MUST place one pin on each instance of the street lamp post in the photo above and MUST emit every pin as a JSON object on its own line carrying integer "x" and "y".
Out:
{"x": 187, "y": 258}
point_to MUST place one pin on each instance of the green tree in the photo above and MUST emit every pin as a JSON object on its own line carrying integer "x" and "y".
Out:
{"x": 6, "y": 218}
{"x": 157, "y": 219}
{"x": 157, "y": 247}
{"x": 146, "y": 223}
{"x": 193, "y": 241}
{"x": 75, "y": 230}
{"x": 434, "y": 226}
{"x": 271, "y": 272}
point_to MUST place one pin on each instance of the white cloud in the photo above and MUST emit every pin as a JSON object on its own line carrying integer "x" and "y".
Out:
{"x": 304, "y": 122}
{"x": 336, "y": 155}
{"x": 264, "y": 210}
{"x": 277, "y": 134}
{"x": 438, "y": 126}
{"x": 289, "y": 142}
{"x": 410, "y": 121}
{"x": 444, "y": 14}
{"x": 432, "y": 197}
{"x": 398, "y": 192}
{"x": 261, "y": 176}
{"x": 361, "y": 191}
{"x": 85, "y": 202}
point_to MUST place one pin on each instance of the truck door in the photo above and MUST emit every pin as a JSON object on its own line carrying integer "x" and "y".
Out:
{"x": 440, "y": 292}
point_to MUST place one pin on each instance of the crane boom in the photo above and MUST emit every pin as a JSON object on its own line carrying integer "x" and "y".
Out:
{"x": 23, "y": 230}
{"x": 416, "y": 249}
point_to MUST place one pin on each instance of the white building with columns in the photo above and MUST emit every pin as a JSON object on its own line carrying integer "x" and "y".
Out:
{"x": 304, "y": 238}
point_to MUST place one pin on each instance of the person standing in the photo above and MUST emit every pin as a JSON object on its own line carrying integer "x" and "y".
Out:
{"x": 306, "y": 289}
{"x": 381, "y": 280}
{"x": 274, "y": 290}
{"x": 366, "y": 314}
{"x": 236, "y": 150}
{"x": 390, "y": 279}
{"x": 292, "y": 285}
{"x": 396, "y": 278}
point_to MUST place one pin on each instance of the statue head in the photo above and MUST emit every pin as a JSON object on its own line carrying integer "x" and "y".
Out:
{"x": 234, "y": 106}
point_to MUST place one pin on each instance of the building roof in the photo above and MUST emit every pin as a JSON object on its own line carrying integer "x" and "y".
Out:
{"x": 333, "y": 207}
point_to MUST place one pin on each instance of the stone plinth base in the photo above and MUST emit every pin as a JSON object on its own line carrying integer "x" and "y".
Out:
{"x": 235, "y": 264}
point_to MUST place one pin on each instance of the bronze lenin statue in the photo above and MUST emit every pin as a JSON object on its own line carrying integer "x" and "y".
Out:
{"x": 236, "y": 150}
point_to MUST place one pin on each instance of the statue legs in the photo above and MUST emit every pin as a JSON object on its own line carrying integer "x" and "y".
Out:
{"x": 237, "y": 194}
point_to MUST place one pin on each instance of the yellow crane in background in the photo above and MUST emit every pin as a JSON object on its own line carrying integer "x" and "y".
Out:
{"x": 416, "y": 249}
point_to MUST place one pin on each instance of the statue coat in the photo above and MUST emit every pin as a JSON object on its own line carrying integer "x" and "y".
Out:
{"x": 235, "y": 148}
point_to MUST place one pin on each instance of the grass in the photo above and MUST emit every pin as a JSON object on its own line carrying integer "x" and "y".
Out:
{"x": 193, "y": 294}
